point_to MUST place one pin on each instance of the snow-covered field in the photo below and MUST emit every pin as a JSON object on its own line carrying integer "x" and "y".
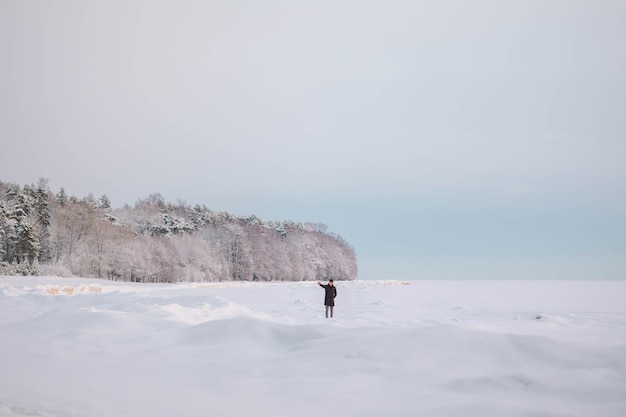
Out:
{"x": 90, "y": 348}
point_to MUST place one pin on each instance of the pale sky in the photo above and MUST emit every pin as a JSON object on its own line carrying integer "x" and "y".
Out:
{"x": 442, "y": 139}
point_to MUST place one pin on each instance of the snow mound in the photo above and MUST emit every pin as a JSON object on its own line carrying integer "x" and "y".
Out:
{"x": 16, "y": 411}
{"x": 249, "y": 333}
{"x": 437, "y": 349}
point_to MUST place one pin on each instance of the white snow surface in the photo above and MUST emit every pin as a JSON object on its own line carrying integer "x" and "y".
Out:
{"x": 92, "y": 348}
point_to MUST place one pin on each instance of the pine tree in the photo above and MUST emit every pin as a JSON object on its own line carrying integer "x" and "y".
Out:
{"x": 105, "y": 203}
{"x": 43, "y": 221}
{"x": 12, "y": 192}
{"x": 27, "y": 243}
{"x": 23, "y": 242}
{"x": 3, "y": 243}
{"x": 61, "y": 197}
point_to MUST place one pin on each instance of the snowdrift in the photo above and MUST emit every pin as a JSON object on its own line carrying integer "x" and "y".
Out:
{"x": 79, "y": 347}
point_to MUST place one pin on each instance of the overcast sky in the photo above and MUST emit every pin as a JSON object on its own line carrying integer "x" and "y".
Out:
{"x": 442, "y": 139}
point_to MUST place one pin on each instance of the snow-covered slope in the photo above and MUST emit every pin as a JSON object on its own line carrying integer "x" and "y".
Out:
{"x": 89, "y": 348}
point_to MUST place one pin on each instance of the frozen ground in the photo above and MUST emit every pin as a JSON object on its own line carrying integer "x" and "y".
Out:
{"x": 90, "y": 348}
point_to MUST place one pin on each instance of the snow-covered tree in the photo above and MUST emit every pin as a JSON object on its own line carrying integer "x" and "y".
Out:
{"x": 157, "y": 241}
{"x": 105, "y": 203}
{"x": 3, "y": 225}
{"x": 41, "y": 206}
{"x": 61, "y": 197}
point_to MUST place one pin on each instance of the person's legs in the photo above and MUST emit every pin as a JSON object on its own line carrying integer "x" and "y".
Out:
{"x": 327, "y": 307}
{"x": 331, "y": 311}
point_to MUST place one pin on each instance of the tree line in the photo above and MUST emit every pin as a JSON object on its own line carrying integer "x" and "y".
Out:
{"x": 46, "y": 233}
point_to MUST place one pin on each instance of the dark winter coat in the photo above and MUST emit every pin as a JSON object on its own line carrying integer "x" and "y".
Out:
{"x": 331, "y": 293}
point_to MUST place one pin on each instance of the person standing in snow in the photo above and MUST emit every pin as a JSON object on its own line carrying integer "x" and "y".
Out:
{"x": 329, "y": 299}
